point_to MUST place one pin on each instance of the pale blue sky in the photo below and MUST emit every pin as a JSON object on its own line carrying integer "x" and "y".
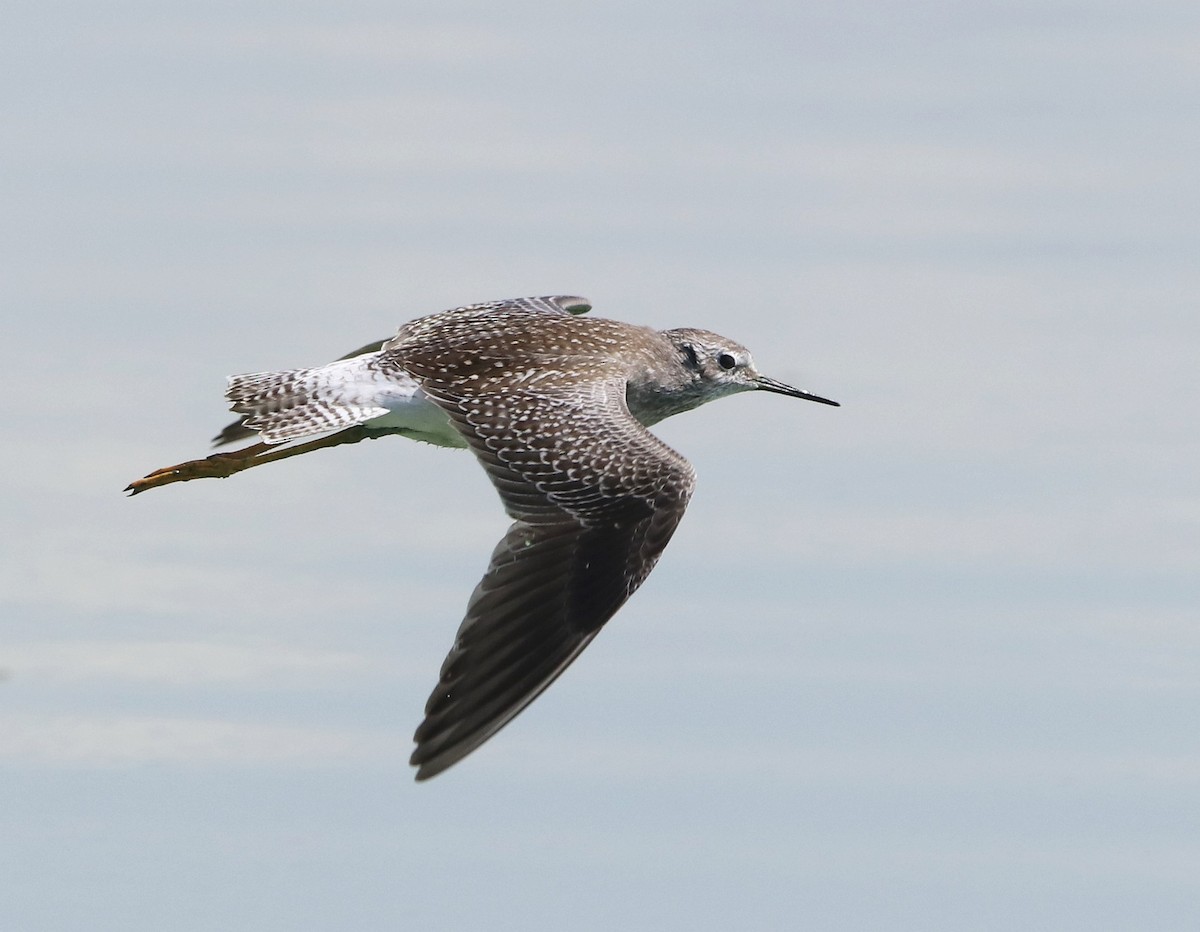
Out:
{"x": 927, "y": 661}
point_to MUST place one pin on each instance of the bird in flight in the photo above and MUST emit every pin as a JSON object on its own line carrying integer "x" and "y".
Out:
{"x": 555, "y": 406}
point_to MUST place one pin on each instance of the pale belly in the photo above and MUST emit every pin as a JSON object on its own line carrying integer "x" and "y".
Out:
{"x": 418, "y": 418}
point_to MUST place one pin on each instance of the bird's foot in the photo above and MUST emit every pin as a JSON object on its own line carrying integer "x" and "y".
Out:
{"x": 220, "y": 465}
{"x": 216, "y": 466}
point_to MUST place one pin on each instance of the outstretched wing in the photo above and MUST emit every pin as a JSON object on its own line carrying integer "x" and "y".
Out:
{"x": 595, "y": 498}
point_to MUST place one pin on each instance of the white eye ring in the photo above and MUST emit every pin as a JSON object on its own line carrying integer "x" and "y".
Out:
{"x": 726, "y": 361}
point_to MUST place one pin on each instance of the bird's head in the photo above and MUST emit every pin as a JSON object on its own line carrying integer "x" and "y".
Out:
{"x": 718, "y": 366}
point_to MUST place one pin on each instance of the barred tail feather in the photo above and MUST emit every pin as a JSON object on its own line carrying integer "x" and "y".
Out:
{"x": 297, "y": 403}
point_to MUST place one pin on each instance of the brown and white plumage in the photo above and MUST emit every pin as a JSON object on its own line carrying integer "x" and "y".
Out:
{"x": 555, "y": 407}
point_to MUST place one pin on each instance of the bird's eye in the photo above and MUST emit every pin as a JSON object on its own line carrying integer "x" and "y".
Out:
{"x": 726, "y": 361}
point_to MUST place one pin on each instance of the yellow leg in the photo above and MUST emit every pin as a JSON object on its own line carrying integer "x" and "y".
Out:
{"x": 220, "y": 465}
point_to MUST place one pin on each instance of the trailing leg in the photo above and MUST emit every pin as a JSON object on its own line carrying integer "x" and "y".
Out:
{"x": 220, "y": 465}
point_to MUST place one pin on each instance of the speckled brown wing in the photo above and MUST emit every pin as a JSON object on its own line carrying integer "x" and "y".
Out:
{"x": 595, "y": 498}
{"x": 448, "y": 326}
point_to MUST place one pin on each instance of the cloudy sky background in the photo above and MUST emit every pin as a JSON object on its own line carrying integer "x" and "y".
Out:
{"x": 929, "y": 660}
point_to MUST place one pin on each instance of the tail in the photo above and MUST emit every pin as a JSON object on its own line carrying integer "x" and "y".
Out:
{"x": 298, "y": 403}
{"x": 237, "y": 431}
{"x": 334, "y": 401}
